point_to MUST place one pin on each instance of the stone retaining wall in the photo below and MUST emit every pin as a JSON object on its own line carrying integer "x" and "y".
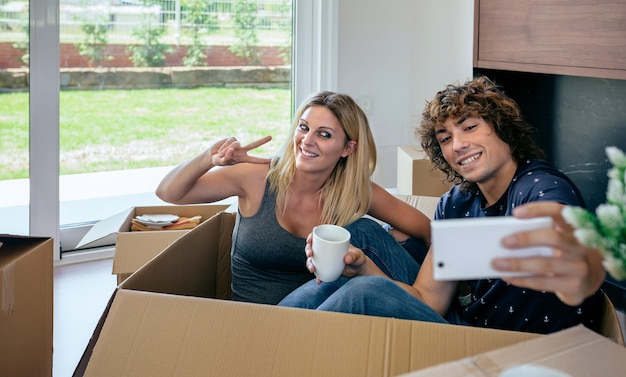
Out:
{"x": 150, "y": 78}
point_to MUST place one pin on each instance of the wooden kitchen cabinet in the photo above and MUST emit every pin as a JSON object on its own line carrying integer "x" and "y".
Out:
{"x": 565, "y": 37}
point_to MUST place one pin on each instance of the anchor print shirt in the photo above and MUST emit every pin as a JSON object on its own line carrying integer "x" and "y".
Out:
{"x": 497, "y": 304}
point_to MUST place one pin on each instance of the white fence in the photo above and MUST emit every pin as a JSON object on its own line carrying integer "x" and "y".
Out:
{"x": 217, "y": 26}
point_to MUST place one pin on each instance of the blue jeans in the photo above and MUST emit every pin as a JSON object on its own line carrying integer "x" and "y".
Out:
{"x": 383, "y": 250}
{"x": 393, "y": 259}
{"x": 369, "y": 295}
{"x": 416, "y": 247}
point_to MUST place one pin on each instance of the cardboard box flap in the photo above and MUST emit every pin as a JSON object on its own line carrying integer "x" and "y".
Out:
{"x": 104, "y": 232}
{"x": 13, "y": 247}
{"x": 140, "y": 249}
{"x": 575, "y": 351}
{"x": 433, "y": 343}
{"x": 150, "y": 334}
{"x": 133, "y": 249}
{"x": 426, "y": 204}
{"x": 196, "y": 264}
{"x": 610, "y": 326}
{"x": 416, "y": 174}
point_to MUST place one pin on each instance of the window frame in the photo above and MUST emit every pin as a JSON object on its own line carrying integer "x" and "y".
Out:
{"x": 314, "y": 68}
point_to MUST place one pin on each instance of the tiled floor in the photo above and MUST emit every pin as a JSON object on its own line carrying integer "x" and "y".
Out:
{"x": 81, "y": 292}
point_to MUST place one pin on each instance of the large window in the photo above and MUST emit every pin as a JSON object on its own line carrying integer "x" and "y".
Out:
{"x": 14, "y": 107}
{"x": 90, "y": 148}
{"x": 149, "y": 84}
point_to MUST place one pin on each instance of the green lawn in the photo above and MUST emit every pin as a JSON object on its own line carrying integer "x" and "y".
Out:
{"x": 128, "y": 129}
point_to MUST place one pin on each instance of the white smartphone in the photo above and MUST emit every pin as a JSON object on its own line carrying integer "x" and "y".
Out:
{"x": 464, "y": 248}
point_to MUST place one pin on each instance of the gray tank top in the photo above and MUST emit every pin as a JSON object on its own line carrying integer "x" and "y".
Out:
{"x": 267, "y": 261}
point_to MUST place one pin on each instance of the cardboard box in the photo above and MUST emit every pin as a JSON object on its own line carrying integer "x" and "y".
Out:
{"x": 416, "y": 175}
{"x": 426, "y": 204}
{"x": 134, "y": 249}
{"x": 173, "y": 317}
{"x": 26, "y": 302}
{"x": 577, "y": 351}
{"x": 153, "y": 334}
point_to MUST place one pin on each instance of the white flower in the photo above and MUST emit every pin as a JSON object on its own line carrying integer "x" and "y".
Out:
{"x": 621, "y": 252}
{"x": 615, "y": 192}
{"x": 606, "y": 230}
{"x": 615, "y": 174}
{"x": 615, "y": 267}
{"x": 616, "y": 157}
{"x": 569, "y": 214}
{"x": 589, "y": 237}
{"x": 577, "y": 217}
{"x": 611, "y": 219}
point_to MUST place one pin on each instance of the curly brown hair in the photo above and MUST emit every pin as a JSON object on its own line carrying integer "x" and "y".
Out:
{"x": 479, "y": 98}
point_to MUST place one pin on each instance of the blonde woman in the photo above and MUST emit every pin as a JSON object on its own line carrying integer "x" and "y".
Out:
{"x": 322, "y": 175}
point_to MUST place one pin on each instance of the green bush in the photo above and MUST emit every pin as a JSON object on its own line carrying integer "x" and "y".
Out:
{"x": 95, "y": 38}
{"x": 151, "y": 52}
{"x": 246, "y": 31}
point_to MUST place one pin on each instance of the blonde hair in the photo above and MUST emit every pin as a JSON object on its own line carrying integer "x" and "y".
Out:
{"x": 347, "y": 194}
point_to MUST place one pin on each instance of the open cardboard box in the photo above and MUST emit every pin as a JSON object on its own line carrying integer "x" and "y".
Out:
{"x": 173, "y": 316}
{"x": 26, "y": 302}
{"x": 416, "y": 175}
{"x": 426, "y": 204}
{"x": 576, "y": 351}
{"x": 134, "y": 249}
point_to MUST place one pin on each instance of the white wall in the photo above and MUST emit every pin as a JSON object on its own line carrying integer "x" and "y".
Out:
{"x": 395, "y": 54}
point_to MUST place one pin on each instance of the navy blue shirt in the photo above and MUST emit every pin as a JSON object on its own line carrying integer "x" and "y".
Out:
{"x": 497, "y": 304}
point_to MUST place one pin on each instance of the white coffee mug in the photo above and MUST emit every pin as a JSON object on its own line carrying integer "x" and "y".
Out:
{"x": 330, "y": 245}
